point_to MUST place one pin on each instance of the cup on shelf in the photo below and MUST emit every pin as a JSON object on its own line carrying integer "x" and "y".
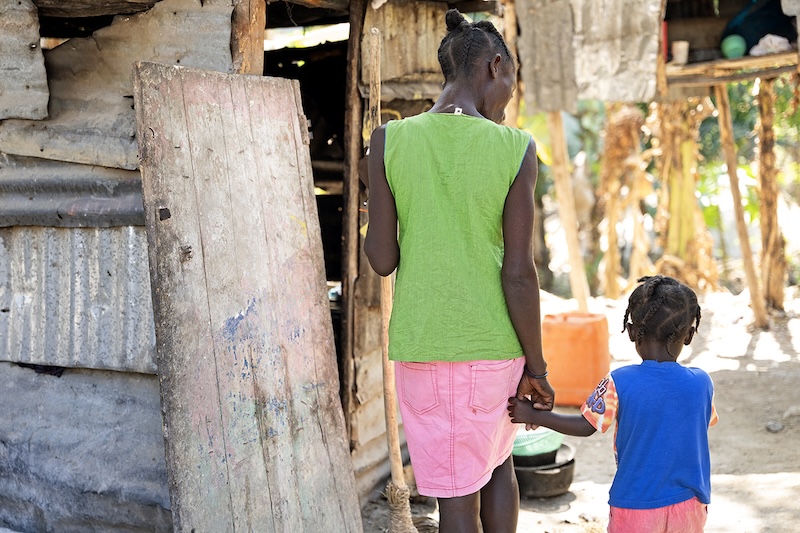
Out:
{"x": 680, "y": 52}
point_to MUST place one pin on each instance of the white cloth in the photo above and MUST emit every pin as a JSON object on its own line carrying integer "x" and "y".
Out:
{"x": 771, "y": 44}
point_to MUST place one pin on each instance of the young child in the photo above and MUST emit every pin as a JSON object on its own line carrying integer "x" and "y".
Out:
{"x": 663, "y": 411}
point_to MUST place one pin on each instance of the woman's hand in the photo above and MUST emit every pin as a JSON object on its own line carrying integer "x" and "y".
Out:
{"x": 539, "y": 390}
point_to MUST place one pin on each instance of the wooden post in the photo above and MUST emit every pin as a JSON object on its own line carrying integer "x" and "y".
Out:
{"x": 510, "y": 35}
{"x": 253, "y": 426}
{"x": 727, "y": 141}
{"x": 566, "y": 209}
{"x": 247, "y": 36}
{"x": 354, "y": 151}
{"x": 773, "y": 245}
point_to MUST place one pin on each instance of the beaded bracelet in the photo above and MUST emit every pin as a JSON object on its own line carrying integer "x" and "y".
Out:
{"x": 534, "y": 376}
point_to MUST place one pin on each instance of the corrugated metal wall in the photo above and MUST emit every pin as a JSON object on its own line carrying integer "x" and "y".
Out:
{"x": 76, "y": 298}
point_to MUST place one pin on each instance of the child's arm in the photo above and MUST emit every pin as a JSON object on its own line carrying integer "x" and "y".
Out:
{"x": 523, "y": 412}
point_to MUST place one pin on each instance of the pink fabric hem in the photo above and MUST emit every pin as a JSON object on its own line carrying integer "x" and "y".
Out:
{"x": 434, "y": 492}
{"x": 688, "y": 516}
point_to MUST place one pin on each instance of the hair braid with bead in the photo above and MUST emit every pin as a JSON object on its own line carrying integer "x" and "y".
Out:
{"x": 466, "y": 42}
{"x": 661, "y": 308}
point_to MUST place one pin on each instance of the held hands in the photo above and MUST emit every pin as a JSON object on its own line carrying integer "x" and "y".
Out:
{"x": 541, "y": 394}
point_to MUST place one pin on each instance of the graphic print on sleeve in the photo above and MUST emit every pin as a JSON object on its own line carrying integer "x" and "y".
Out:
{"x": 600, "y": 408}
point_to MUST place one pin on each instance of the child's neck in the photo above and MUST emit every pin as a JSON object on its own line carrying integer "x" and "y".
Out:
{"x": 656, "y": 351}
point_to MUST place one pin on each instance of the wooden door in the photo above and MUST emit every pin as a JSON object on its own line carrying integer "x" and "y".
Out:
{"x": 253, "y": 424}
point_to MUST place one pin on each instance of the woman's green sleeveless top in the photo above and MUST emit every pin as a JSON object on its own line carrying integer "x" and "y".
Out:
{"x": 450, "y": 175}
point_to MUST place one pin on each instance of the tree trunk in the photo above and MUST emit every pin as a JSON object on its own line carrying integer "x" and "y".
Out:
{"x": 728, "y": 146}
{"x": 773, "y": 245}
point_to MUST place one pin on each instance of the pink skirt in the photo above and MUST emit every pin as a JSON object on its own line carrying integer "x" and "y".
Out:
{"x": 456, "y": 423}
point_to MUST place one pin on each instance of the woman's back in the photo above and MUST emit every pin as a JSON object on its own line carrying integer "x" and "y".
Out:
{"x": 450, "y": 175}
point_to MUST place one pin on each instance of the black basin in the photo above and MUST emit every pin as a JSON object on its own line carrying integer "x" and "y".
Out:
{"x": 545, "y": 481}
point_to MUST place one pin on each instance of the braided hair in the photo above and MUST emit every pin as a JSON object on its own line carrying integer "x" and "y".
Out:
{"x": 662, "y": 309}
{"x": 465, "y": 43}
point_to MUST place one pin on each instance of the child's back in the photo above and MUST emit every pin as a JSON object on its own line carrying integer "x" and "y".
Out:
{"x": 662, "y": 411}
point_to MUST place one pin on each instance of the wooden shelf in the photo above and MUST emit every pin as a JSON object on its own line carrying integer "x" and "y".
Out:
{"x": 719, "y": 71}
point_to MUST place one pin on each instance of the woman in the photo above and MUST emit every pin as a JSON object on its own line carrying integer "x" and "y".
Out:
{"x": 465, "y": 329}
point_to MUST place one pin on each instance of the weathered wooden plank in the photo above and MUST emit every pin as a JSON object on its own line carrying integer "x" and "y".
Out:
{"x": 23, "y": 80}
{"x": 91, "y": 8}
{"x": 199, "y": 494}
{"x": 236, "y": 262}
{"x": 546, "y": 55}
{"x": 413, "y": 60}
{"x": 91, "y": 110}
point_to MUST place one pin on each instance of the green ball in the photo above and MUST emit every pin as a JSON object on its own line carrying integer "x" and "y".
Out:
{"x": 733, "y": 46}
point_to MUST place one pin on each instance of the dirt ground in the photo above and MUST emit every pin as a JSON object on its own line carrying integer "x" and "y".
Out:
{"x": 755, "y": 448}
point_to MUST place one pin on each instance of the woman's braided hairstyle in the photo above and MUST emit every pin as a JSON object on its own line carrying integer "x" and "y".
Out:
{"x": 662, "y": 308}
{"x": 467, "y": 42}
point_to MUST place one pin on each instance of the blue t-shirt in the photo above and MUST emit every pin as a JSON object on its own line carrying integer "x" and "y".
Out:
{"x": 663, "y": 411}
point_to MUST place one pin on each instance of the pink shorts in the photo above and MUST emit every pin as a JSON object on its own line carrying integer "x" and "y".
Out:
{"x": 455, "y": 420}
{"x": 684, "y": 517}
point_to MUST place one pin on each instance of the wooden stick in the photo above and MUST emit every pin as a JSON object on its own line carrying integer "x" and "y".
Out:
{"x": 566, "y": 209}
{"x": 389, "y": 397}
{"x": 726, "y": 138}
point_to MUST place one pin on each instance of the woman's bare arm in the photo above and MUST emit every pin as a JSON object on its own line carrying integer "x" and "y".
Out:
{"x": 380, "y": 244}
{"x": 520, "y": 281}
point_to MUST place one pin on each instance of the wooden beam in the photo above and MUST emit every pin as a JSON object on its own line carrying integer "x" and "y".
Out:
{"x": 248, "y": 23}
{"x": 566, "y": 209}
{"x": 354, "y": 151}
{"x": 91, "y": 8}
{"x": 729, "y": 148}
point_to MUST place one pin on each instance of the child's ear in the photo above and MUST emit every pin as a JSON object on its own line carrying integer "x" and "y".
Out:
{"x": 631, "y": 334}
{"x": 689, "y": 336}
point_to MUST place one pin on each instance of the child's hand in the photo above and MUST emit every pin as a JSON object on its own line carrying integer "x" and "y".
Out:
{"x": 522, "y": 411}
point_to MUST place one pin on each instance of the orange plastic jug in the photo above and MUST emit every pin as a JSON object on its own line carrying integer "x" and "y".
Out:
{"x": 575, "y": 347}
